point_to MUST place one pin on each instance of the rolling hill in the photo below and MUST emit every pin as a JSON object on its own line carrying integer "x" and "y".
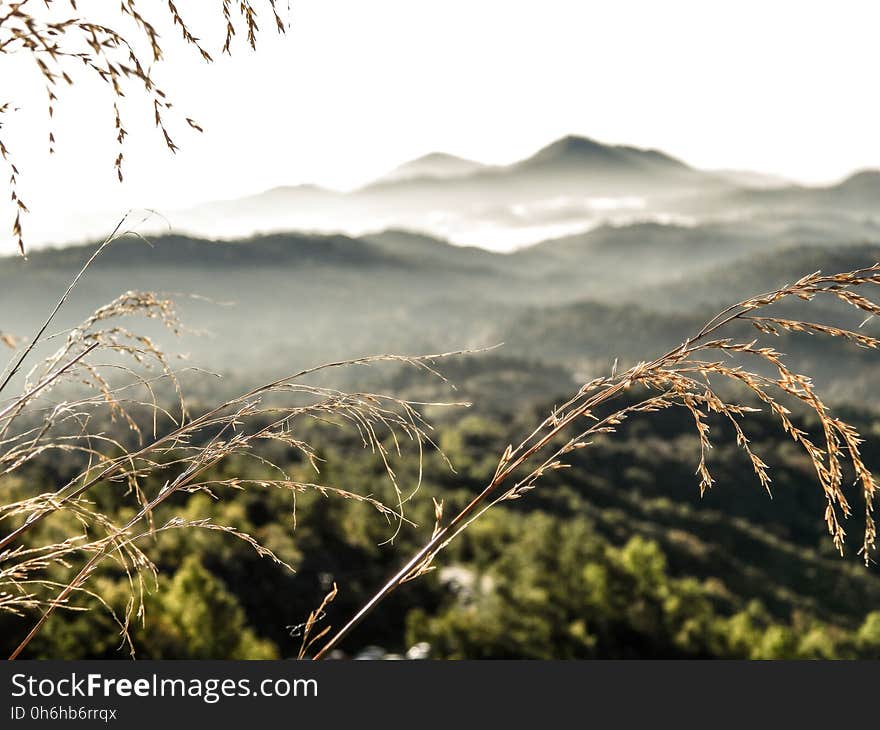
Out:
{"x": 276, "y": 302}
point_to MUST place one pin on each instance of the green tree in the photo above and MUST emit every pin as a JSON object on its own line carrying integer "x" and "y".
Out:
{"x": 196, "y": 617}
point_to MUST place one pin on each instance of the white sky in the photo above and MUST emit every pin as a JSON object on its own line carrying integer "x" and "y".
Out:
{"x": 356, "y": 87}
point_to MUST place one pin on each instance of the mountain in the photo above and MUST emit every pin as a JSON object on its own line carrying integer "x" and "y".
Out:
{"x": 619, "y": 261}
{"x": 426, "y": 251}
{"x": 585, "y": 155}
{"x": 599, "y": 333}
{"x": 574, "y": 165}
{"x": 762, "y": 271}
{"x": 569, "y": 185}
{"x": 434, "y": 165}
{"x": 859, "y": 193}
{"x": 650, "y": 241}
{"x": 647, "y": 247}
{"x": 281, "y": 301}
{"x": 182, "y": 252}
{"x": 278, "y": 301}
{"x": 863, "y": 186}
{"x": 292, "y": 207}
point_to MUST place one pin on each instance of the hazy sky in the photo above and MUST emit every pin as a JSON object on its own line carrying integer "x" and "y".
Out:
{"x": 357, "y": 87}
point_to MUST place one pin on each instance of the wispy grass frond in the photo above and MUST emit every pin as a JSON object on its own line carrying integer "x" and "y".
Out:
{"x": 690, "y": 376}
{"x": 105, "y": 372}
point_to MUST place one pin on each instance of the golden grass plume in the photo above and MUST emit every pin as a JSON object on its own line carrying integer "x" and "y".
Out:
{"x": 687, "y": 377}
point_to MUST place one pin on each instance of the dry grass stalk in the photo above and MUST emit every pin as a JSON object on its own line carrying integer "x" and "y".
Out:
{"x": 178, "y": 450}
{"x": 682, "y": 377}
{"x": 315, "y": 617}
{"x": 64, "y": 39}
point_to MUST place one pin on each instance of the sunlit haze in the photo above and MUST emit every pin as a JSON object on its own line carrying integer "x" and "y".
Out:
{"x": 356, "y": 88}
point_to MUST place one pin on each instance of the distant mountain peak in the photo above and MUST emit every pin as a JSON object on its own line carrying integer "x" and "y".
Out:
{"x": 433, "y": 165}
{"x": 579, "y": 150}
{"x": 570, "y": 145}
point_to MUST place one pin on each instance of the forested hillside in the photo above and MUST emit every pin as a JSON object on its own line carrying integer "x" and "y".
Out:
{"x": 617, "y": 557}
